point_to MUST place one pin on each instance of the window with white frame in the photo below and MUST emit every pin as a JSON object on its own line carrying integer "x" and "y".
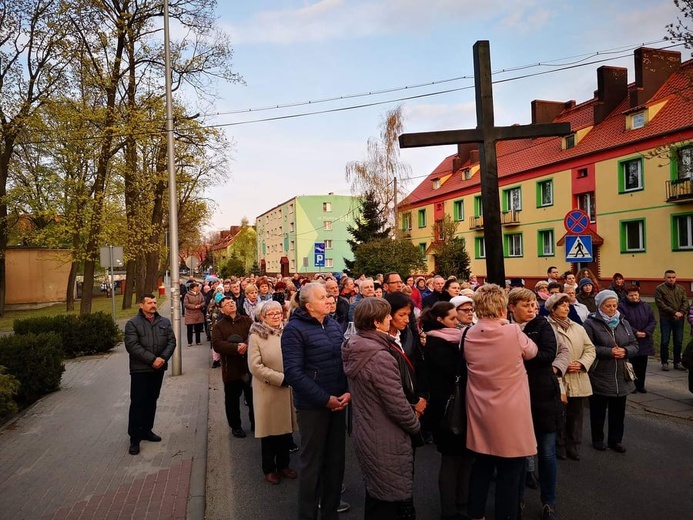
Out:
{"x": 586, "y": 202}
{"x": 546, "y": 243}
{"x": 545, "y": 193}
{"x": 291, "y": 227}
{"x": 406, "y": 221}
{"x": 684, "y": 162}
{"x": 480, "y": 247}
{"x": 513, "y": 199}
{"x": 637, "y": 120}
{"x": 513, "y": 245}
{"x": 327, "y": 207}
{"x": 327, "y": 224}
{"x": 632, "y": 236}
{"x": 328, "y": 244}
{"x": 458, "y": 210}
{"x": 293, "y": 245}
{"x": 631, "y": 175}
{"x": 329, "y": 262}
{"x": 683, "y": 232}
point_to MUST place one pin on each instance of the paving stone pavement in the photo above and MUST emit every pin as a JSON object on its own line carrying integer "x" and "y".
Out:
{"x": 66, "y": 457}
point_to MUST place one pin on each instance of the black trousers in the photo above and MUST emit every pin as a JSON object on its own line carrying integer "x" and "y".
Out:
{"x": 275, "y": 452}
{"x": 144, "y": 392}
{"x": 640, "y": 367}
{"x": 232, "y": 396}
{"x": 453, "y": 482}
{"x": 323, "y": 435}
{"x": 376, "y": 509}
{"x": 617, "y": 415}
{"x": 570, "y": 436}
{"x": 508, "y": 474}
{"x": 197, "y": 327}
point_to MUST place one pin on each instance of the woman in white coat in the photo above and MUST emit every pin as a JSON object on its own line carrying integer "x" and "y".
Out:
{"x": 275, "y": 416}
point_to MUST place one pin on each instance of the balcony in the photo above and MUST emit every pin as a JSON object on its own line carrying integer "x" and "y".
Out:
{"x": 510, "y": 218}
{"x": 406, "y": 233}
{"x": 476, "y": 222}
{"x": 679, "y": 190}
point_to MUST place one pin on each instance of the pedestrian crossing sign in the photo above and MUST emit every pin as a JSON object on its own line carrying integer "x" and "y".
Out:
{"x": 578, "y": 248}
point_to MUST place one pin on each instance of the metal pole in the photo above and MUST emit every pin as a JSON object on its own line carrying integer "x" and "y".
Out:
{"x": 110, "y": 251}
{"x": 394, "y": 209}
{"x": 177, "y": 361}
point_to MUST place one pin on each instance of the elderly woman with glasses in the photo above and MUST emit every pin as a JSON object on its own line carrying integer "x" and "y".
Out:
{"x": 275, "y": 416}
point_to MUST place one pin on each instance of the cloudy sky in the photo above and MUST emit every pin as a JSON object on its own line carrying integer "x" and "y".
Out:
{"x": 292, "y": 52}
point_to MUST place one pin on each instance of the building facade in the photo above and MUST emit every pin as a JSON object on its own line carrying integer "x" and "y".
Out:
{"x": 628, "y": 164}
{"x": 288, "y": 233}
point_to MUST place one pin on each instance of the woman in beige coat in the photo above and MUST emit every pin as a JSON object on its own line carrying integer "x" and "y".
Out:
{"x": 575, "y": 376}
{"x": 275, "y": 416}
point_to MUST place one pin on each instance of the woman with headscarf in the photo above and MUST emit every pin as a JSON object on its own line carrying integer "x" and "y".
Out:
{"x": 586, "y": 294}
{"x": 611, "y": 381}
{"x": 642, "y": 320}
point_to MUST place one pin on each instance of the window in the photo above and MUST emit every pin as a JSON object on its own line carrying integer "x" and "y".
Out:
{"x": 291, "y": 227}
{"x": 632, "y": 236}
{"x": 630, "y": 175}
{"x": 513, "y": 245}
{"x": 570, "y": 142}
{"x": 436, "y": 184}
{"x": 327, "y": 225}
{"x": 479, "y": 247}
{"x": 512, "y": 199}
{"x": 406, "y": 221}
{"x": 329, "y": 262}
{"x": 683, "y": 163}
{"x": 291, "y": 209}
{"x": 422, "y": 218}
{"x": 582, "y": 173}
{"x": 585, "y": 202}
{"x": 637, "y": 120}
{"x": 478, "y": 206}
{"x": 458, "y": 210}
{"x": 546, "y": 243}
{"x": 328, "y": 244}
{"x": 466, "y": 174}
{"x": 293, "y": 245}
{"x": 544, "y": 193}
{"x": 682, "y": 227}
{"x": 422, "y": 248}
{"x": 326, "y": 207}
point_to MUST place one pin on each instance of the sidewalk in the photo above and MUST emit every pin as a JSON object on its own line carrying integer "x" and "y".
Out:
{"x": 66, "y": 456}
{"x": 667, "y": 392}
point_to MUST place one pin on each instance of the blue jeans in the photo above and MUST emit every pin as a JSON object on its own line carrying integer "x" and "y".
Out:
{"x": 667, "y": 326}
{"x": 548, "y": 468}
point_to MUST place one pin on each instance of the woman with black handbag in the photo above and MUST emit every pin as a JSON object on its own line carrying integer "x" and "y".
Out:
{"x": 445, "y": 363}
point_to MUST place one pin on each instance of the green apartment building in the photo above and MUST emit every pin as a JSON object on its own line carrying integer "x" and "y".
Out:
{"x": 288, "y": 233}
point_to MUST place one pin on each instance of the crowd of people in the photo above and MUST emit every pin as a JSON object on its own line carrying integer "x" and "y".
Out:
{"x": 390, "y": 360}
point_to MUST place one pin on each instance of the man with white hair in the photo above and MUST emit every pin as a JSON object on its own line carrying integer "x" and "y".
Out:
{"x": 366, "y": 290}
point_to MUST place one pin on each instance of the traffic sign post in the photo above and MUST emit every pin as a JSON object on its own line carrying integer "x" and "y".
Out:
{"x": 578, "y": 248}
{"x": 576, "y": 222}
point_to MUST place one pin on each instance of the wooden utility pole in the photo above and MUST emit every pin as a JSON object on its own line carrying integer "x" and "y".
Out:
{"x": 486, "y": 135}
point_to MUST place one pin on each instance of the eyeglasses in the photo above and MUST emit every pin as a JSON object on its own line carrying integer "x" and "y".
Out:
{"x": 466, "y": 310}
{"x": 273, "y": 314}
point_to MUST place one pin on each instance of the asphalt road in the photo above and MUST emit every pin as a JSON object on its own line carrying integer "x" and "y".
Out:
{"x": 653, "y": 480}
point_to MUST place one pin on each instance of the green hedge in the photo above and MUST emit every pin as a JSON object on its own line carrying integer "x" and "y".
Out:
{"x": 80, "y": 335}
{"x": 36, "y": 360}
{"x": 9, "y": 387}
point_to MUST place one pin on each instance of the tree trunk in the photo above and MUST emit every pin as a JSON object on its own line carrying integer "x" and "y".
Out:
{"x": 70, "y": 289}
{"x": 5, "y": 156}
{"x": 129, "y": 288}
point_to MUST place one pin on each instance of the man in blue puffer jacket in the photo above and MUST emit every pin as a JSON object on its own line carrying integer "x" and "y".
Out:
{"x": 311, "y": 351}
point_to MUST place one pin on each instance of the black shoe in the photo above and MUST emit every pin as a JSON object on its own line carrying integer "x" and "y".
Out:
{"x": 573, "y": 454}
{"x": 617, "y": 447}
{"x": 134, "y": 448}
{"x": 642, "y": 390}
{"x": 152, "y": 437}
{"x": 561, "y": 453}
{"x": 599, "y": 445}
{"x": 238, "y": 432}
{"x": 293, "y": 448}
{"x": 216, "y": 364}
{"x": 548, "y": 513}
{"x": 679, "y": 366}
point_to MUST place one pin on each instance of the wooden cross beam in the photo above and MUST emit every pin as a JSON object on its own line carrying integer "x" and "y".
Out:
{"x": 486, "y": 135}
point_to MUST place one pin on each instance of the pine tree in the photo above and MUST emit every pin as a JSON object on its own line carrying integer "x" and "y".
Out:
{"x": 369, "y": 225}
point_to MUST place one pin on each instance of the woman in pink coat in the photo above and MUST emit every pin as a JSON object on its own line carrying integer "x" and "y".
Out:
{"x": 499, "y": 427}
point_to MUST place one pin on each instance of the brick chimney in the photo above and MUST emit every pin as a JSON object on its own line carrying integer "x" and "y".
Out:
{"x": 652, "y": 68}
{"x": 547, "y": 111}
{"x": 612, "y": 88}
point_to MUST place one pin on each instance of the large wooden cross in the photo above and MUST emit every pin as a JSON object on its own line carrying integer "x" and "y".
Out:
{"x": 486, "y": 135}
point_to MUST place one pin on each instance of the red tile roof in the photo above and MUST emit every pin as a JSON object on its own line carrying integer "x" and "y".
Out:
{"x": 526, "y": 155}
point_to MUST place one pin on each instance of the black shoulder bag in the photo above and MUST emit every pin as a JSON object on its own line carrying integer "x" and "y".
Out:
{"x": 455, "y": 416}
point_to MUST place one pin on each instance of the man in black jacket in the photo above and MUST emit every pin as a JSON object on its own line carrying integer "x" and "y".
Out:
{"x": 150, "y": 341}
